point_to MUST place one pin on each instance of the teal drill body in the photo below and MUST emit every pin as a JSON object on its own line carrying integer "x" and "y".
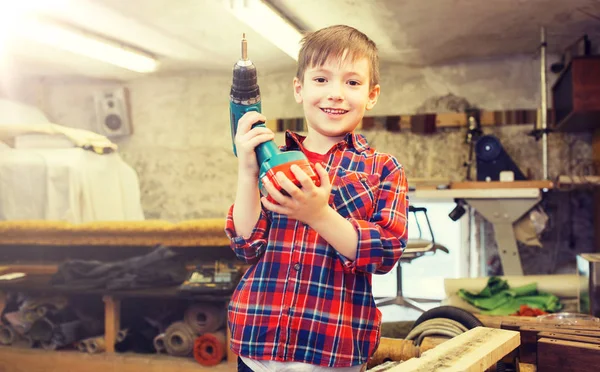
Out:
{"x": 245, "y": 97}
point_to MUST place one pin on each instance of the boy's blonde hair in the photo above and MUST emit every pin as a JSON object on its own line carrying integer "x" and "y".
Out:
{"x": 333, "y": 42}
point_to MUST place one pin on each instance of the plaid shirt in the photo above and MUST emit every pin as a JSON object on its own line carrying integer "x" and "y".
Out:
{"x": 303, "y": 301}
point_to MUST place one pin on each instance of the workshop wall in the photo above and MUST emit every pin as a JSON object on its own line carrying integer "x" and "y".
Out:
{"x": 181, "y": 146}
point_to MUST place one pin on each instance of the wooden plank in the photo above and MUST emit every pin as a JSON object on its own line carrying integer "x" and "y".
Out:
{"x": 506, "y": 193}
{"x": 596, "y": 159}
{"x": 475, "y": 350}
{"x": 38, "y": 360}
{"x": 557, "y": 329}
{"x": 431, "y": 342}
{"x": 112, "y": 322}
{"x": 567, "y": 356}
{"x": 526, "y": 367}
{"x": 569, "y": 337}
{"x": 497, "y": 321}
{"x": 29, "y": 269}
{"x": 578, "y": 180}
{"x": 502, "y": 185}
{"x": 451, "y": 119}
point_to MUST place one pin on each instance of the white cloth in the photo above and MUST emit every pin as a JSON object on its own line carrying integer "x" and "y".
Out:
{"x": 72, "y": 185}
{"x": 272, "y": 366}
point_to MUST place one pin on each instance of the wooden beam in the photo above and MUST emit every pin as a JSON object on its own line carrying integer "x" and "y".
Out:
{"x": 596, "y": 159}
{"x": 502, "y": 185}
{"x": 15, "y": 359}
{"x": 567, "y": 356}
{"x": 112, "y": 322}
{"x": 475, "y": 350}
{"x": 526, "y": 367}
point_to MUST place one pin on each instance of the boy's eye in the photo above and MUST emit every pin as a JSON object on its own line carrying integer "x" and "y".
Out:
{"x": 320, "y": 80}
{"x": 354, "y": 82}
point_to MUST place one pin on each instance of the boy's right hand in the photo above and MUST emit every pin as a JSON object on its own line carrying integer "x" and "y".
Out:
{"x": 246, "y": 140}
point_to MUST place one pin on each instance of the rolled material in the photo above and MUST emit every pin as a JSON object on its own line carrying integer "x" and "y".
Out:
{"x": 95, "y": 345}
{"x": 7, "y": 335}
{"x": 563, "y": 286}
{"x": 205, "y": 318}
{"x": 159, "y": 343}
{"x": 41, "y": 330}
{"x": 18, "y": 322}
{"x": 179, "y": 339}
{"x": 122, "y": 335}
{"x": 49, "y": 345}
{"x": 436, "y": 326}
{"x": 391, "y": 349}
{"x": 41, "y": 311}
{"x": 209, "y": 348}
{"x": 82, "y": 346}
{"x": 24, "y": 341}
{"x": 64, "y": 334}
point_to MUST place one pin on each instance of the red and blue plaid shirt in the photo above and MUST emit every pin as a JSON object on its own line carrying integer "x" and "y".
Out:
{"x": 303, "y": 301}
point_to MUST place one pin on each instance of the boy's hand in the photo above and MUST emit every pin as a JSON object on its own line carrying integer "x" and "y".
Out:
{"x": 246, "y": 140}
{"x": 305, "y": 204}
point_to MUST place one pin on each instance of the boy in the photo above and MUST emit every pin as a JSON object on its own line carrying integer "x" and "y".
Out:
{"x": 306, "y": 302}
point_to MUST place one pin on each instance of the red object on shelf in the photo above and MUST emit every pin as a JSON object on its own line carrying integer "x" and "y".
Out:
{"x": 209, "y": 348}
{"x": 525, "y": 310}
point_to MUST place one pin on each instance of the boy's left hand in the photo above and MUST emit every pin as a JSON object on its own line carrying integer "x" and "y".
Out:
{"x": 305, "y": 204}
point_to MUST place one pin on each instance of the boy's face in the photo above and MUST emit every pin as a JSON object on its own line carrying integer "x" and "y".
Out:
{"x": 336, "y": 95}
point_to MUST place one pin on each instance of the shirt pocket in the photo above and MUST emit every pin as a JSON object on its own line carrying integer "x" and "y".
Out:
{"x": 355, "y": 194}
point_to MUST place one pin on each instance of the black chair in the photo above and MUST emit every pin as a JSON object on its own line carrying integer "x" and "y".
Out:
{"x": 415, "y": 248}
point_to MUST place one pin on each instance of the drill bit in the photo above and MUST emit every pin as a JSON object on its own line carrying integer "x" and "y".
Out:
{"x": 244, "y": 48}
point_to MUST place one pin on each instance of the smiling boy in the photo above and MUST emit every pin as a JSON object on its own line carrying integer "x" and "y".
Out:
{"x": 306, "y": 302}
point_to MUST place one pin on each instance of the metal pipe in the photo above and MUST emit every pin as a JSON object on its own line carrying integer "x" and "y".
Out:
{"x": 544, "y": 105}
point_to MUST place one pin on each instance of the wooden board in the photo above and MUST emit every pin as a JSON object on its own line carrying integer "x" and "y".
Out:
{"x": 37, "y": 360}
{"x": 475, "y": 350}
{"x": 502, "y": 185}
{"x": 567, "y": 356}
{"x": 526, "y": 367}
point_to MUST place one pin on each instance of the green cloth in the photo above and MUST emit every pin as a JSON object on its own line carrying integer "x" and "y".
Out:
{"x": 498, "y": 299}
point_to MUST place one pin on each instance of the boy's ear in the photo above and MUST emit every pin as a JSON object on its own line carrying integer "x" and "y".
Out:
{"x": 298, "y": 90}
{"x": 373, "y": 96}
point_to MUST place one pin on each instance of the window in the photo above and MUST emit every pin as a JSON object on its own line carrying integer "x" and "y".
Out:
{"x": 424, "y": 277}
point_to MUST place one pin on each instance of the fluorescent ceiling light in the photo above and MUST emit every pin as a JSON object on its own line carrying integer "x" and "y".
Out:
{"x": 86, "y": 44}
{"x": 269, "y": 24}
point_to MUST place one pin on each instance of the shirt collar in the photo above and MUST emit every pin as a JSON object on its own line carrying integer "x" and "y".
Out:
{"x": 293, "y": 141}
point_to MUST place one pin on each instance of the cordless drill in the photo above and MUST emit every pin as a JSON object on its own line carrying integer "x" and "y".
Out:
{"x": 245, "y": 97}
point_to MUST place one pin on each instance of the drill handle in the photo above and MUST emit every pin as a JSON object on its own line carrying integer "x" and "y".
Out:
{"x": 236, "y": 111}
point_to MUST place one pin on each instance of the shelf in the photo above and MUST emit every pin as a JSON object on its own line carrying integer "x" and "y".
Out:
{"x": 40, "y": 283}
{"x": 38, "y": 360}
{"x": 108, "y": 361}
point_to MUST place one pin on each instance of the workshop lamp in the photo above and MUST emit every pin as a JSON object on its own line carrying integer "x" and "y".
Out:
{"x": 18, "y": 20}
{"x": 269, "y": 23}
{"x": 76, "y": 41}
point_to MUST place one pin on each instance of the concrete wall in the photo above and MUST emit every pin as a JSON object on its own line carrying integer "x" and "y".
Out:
{"x": 181, "y": 146}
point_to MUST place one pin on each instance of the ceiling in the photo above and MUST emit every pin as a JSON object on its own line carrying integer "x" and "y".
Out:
{"x": 200, "y": 35}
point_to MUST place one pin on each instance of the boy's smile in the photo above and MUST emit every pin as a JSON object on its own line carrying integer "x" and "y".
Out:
{"x": 335, "y": 97}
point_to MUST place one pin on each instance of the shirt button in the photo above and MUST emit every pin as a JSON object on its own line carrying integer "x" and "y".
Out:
{"x": 297, "y": 266}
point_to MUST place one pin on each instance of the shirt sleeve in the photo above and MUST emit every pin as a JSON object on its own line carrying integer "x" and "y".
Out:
{"x": 382, "y": 239}
{"x": 248, "y": 249}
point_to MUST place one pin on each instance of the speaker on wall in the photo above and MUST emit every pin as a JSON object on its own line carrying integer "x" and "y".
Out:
{"x": 492, "y": 159}
{"x": 112, "y": 113}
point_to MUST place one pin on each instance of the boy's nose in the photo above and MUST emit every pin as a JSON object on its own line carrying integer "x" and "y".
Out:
{"x": 335, "y": 93}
